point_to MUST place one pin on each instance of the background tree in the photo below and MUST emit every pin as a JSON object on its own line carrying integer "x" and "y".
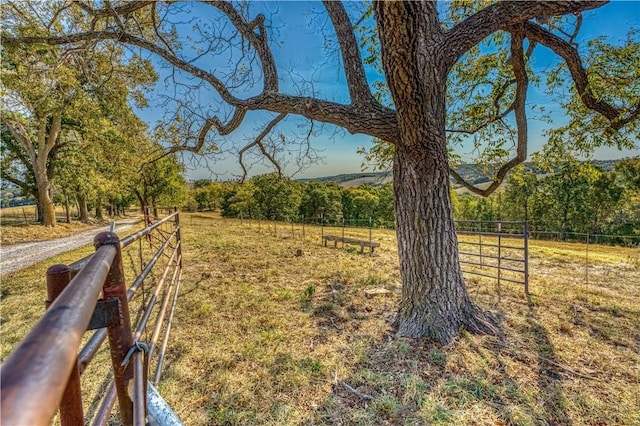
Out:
{"x": 521, "y": 185}
{"x": 50, "y": 91}
{"x": 239, "y": 202}
{"x": 360, "y": 204}
{"x": 476, "y": 51}
{"x": 321, "y": 200}
{"x": 276, "y": 197}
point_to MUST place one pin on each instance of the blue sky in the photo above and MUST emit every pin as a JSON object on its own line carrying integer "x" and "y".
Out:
{"x": 301, "y": 50}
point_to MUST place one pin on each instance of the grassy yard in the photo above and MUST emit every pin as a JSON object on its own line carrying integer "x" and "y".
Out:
{"x": 263, "y": 336}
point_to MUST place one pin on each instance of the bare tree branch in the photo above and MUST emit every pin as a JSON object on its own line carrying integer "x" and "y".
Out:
{"x": 359, "y": 91}
{"x": 258, "y": 141}
{"x": 503, "y": 14}
{"x": 257, "y": 40}
{"x": 155, "y": 29}
{"x": 372, "y": 119}
{"x": 124, "y": 8}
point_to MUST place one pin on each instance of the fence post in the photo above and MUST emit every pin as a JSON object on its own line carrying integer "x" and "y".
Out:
{"x": 322, "y": 225}
{"x": 178, "y": 236}
{"x": 58, "y": 277}
{"x": 303, "y": 234}
{"x": 370, "y": 227}
{"x": 586, "y": 269}
{"x": 480, "y": 244}
{"x": 526, "y": 257}
{"x": 120, "y": 335}
{"x": 499, "y": 251}
{"x": 343, "y": 224}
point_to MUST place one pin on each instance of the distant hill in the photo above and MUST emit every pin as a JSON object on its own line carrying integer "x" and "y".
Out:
{"x": 472, "y": 173}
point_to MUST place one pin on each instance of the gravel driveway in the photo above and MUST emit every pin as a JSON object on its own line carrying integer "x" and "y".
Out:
{"x": 17, "y": 256}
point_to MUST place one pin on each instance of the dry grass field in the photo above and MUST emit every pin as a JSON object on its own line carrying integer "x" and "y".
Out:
{"x": 18, "y": 225}
{"x": 265, "y": 337}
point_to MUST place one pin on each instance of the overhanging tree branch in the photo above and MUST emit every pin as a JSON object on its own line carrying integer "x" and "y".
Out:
{"x": 258, "y": 41}
{"x": 570, "y": 55}
{"x": 522, "y": 83}
{"x": 503, "y": 14}
{"x": 359, "y": 91}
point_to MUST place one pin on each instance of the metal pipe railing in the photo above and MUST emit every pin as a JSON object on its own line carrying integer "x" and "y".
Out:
{"x": 43, "y": 372}
{"x": 35, "y": 375}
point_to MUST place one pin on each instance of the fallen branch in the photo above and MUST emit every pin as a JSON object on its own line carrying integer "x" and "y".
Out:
{"x": 352, "y": 390}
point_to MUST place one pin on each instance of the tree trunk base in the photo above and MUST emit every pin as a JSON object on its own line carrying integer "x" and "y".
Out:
{"x": 444, "y": 329}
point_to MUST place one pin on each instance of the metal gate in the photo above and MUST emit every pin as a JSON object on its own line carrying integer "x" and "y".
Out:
{"x": 495, "y": 249}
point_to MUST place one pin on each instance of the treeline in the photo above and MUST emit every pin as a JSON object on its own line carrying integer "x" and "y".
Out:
{"x": 272, "y": 197}
{"x": 69, "y": 134}
{"x": 579, "y": 197}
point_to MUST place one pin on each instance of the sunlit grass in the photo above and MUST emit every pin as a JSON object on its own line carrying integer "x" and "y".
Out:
{"x": 263, "y": 336}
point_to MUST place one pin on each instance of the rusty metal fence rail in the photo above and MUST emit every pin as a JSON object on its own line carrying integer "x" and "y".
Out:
{"x": 43, "y": 372}
{"x": 495, "y": 249}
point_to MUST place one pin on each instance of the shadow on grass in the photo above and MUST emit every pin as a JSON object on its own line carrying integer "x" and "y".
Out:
{"x": 549, "y": 381}
{"x": 406, "y": 381}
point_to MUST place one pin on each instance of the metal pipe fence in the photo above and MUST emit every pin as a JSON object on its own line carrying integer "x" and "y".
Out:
{"x": 495, "y": 249}
{"x": 43, "y": 372}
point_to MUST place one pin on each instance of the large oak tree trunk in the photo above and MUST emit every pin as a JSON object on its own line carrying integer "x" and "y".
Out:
{"x": 435, "y": 302}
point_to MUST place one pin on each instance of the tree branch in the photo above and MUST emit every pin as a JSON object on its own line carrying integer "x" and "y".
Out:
{"x": 359, "y": 91}
{"x": 498, "y": 115}
{"x": 522, "y": 83}
{"x": 579, "y": 75}
{"x": 257, "y": 40}
{"x": 125, "y": 8}
{"x": 371, "y": 119}
{"x": 258, "y": 142}
{"x": 130, "y": 39}
{"x": 503, "y": 14}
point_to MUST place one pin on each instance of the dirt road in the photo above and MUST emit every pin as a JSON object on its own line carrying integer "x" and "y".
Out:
{"x": 17, "y": 256}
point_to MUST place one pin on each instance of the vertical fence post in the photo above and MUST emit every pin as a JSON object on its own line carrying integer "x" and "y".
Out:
{"x": 178, "y": 237}
{"x": 322, "y": 225}
{"x": 120, "y": 335}
{"x": 480, "y": 244}
{"x": 526, "y": 257}
{"x": 370, "y": 227}
{"x": 303, "y": 234}
{"x": 293, "y": 232}
{"x": 58, "y": 277}
{"x": 343, "y": 225}
{"x": 586, "y": 269}
{"x": 499, "y": 252}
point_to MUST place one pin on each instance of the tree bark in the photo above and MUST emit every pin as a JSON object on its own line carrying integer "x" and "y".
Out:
{"x": 82, "y": 208}
{"x": 48, "y": 217}
{"x": 435, "y": 302}
{"x": 67, "y": 208}
{"x": 99, "y": 214}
